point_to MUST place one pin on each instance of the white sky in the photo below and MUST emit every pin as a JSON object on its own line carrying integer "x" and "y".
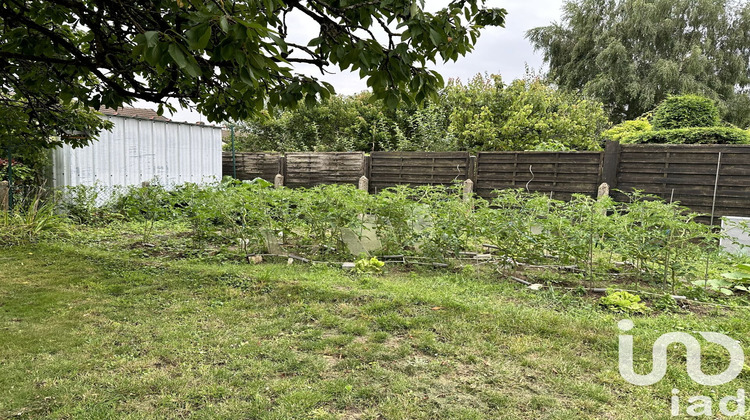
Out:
{"x": 503, "y": 51}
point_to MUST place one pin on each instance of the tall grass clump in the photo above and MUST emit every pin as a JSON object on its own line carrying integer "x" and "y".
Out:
{"x": 31, "y": 219}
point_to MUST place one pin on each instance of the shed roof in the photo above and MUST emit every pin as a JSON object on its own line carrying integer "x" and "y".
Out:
{"x": 139, "y": 113}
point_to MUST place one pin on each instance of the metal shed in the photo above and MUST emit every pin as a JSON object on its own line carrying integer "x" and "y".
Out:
{"x": 141, "y": 148}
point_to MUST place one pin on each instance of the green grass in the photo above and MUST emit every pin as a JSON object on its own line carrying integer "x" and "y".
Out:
{"x": 88, "y": 333}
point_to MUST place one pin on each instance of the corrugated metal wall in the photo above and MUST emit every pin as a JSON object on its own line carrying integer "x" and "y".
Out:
{"x": 137, "y": 151}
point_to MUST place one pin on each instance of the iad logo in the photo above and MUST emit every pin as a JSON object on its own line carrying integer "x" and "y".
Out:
{"x": 693, "y": 347}
{"x": 700, "y": 405}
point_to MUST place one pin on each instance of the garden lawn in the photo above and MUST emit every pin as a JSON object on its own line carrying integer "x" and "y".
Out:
{"x": 87, "y": 333}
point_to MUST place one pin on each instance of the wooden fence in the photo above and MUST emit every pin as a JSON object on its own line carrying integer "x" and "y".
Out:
{"x": 309, "y": 169}
{"x": 252, "y": 165}
{"x": 692, "y": 175}
{"x": 702, "y": 177}
{"x": 418, "y": 168}
{"x": 559, "y": 173}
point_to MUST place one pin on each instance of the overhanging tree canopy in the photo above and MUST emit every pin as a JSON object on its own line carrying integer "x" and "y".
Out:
{"x": 232, "y": 58}
{"x": 631, "y": 54}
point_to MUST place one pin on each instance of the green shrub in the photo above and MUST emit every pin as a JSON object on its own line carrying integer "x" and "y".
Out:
{"x": 686, "y": 111}
{"x": 628, "y": 131}
{"x": 696, "y": 135}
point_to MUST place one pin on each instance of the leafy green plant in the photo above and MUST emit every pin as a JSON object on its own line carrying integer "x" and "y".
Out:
{"x": 450, "y": 223}
{"x": 512, "y": 223}
{"x": 731, "y": 282}
{"x": 232, "y": 212}
{"x": 722, "y": 286}
{"x": 686, "y": 111}
{"x": 575, "y": 229}
{"x": 741, "y": 275}
{"x": 666, "y": 303}
{"x": 22, "y": 173}
{"x": 662, "y": 240}
{"x": 623, "y": 302}
{"x": 245, "y": 217}
{"x": 85, "y": 204}
{"x": 397, "y": 214}
{"x": 326, "y": 210}
{"x": 147, "y": 204}
{"x": 368, "y": 266}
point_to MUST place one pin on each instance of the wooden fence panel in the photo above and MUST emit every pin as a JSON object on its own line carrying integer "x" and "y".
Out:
{"x": 688, "y": 174}
{"x": 252, "y": 165}
{"x": 310, "y": 169}
{"x": 388, "y": 169}
{"x": 559, "y": 173}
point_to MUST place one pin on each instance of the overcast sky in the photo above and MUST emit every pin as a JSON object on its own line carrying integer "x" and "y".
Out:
{"x": 504, "y": 51}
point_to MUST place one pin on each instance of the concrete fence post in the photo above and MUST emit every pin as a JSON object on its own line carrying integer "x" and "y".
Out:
{"x": 601, "y": 194}
{"x": 603, "y": 191}
{"x": 468, "y": 189}
{"x": 364, "y": 183}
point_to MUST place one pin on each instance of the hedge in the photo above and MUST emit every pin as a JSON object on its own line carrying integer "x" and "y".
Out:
{"x": 686, "y": 111}
{"x": 695, "y": 135}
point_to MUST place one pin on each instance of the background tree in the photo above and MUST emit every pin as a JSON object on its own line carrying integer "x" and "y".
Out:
{"x": 483, "y": 114}
{"x": 527, "y": 114}
{"x": 339, "y": 123}
{"x": 631, "y": 54}
{"x": 231, "y": 57}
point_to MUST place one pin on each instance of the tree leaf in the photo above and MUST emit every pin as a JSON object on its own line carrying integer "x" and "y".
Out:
{"x": 152, "y": 38}
{"x": 204, "y": 38}
{"x": 177, "y": 55}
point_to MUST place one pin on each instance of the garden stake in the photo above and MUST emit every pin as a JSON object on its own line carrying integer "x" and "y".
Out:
{"x": 591, "y": 246}
{"x": 668, "y": 246}
{"x": 234, "y": 158}
{"x": 713, "y": 209}
{"x": 10, "y": 181}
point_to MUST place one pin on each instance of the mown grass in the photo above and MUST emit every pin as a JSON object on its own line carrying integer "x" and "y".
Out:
{"x": 90, "y": 333}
